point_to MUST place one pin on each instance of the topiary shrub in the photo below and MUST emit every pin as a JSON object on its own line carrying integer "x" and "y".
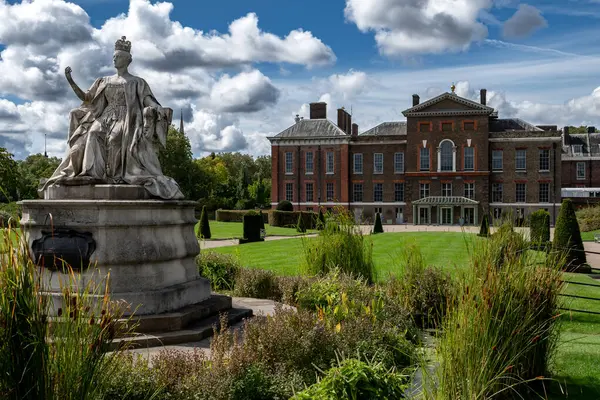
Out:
{"x": 539, "y": 227}
{"x": 204, "y": 228}
{"x": 484, "y": 231}
{"x": 567, "y": 237}
{"x": 378, "y": 228}
{"x": 320, "y": 220}
{"x": 252, "y": 226}
{"x": 301, "y": 227}
{"x": 257, "y": 283}
{"x": 285, "y": 205}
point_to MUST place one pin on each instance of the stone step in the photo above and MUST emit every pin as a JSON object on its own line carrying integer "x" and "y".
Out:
{"x": 194, "y": 333}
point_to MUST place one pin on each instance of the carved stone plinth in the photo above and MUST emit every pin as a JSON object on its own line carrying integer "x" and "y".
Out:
{"x": 148, "y": 246}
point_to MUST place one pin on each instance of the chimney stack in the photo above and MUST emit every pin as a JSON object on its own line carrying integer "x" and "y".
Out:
{"x": 483, "y": 96}
{"x": 566, "y": 130}
{"x": 344, "y": 121}
{"x": 318, "y": 110}
{"x": 354, "y": 130}
{"x": 415, "y": 100}
{"x": 591, "y": 129}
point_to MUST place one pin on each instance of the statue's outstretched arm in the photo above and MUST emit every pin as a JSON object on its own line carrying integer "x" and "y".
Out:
{"x": 80, "y": 93}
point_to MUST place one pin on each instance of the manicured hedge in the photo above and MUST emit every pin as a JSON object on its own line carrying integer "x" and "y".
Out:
{"x": 539, "y": 227}
{"x": 567, "y": 237}
{"x": 289, "y": 219}
{"x": 588, "y": 218}
{"x": 236, "y": 215}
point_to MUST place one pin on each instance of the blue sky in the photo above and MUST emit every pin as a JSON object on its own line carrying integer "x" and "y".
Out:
{"x": 538, "y": 59}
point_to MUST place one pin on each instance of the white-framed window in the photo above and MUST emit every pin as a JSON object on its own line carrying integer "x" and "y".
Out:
{"x": 446, "y": 189}
{"x": 289, "y": 191}
{"x": 497, "y": 213}
{"x": 521, "y": 159}
{"x": 358, "y": 163}
{"x": 544, "y": 192}
{"x": 378, "y": 210}
{"x": 330, "y": 192}
{"x": 289, "y": 162}
{"x": 398, "y": 191}
{"x": 423, "y": 190}
{"x": 497, "y": 192}
{"x": 577, "y": 149}
{"x": 580, "y": 171}
{"x": 469, "y": 190}
{"x": 329, "y": 165}
{"x": 399, "y": 163}
{"x": 310, "y": 190}
{"x": 424, "y": 159}
{"x": 446, "y": 156}
{"x": 378, "y": 192}
{"x": 520, "y": 191}
{"x": 469, "y": 161}
{"x": 497, "y": 156}
{"x": 378, "y": 163}
{"x": 544, "y": 160}
{"x": 357, "y": 192}
{"x": 309, "y": 163}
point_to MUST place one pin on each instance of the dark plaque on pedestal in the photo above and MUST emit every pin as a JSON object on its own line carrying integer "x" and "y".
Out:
{"x": 61, "y": 247}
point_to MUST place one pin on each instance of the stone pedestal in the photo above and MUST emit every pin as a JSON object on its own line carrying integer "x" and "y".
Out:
{"x": 147, "y": 246}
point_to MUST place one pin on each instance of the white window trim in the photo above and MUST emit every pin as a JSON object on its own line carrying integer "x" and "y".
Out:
{"x": 395, "y": 155}
{"x": 285, "y": 163}
{"x": 421, "y": 158}
{"x": 524, "y": 192}
{"x": 362, "y": 163}
{"x": 501, "y": 160}
{"x": 327, "y": 163}
{"x": 439, "y": 156}
{"x": 577, "y": 171}
{"x": 306, "y": 171}
{"x": 545, "y": 170}
{"x": 375, "y": 164}
{"x": 517, "y": 159}
{"x": 374, "y": 186}
{"x": 465, "y": 159}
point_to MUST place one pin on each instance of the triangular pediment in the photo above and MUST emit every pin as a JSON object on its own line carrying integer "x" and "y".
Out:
{"x": 448, "y": 103}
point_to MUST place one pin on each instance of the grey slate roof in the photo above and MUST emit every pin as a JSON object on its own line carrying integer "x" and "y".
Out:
{"x": 589, "y": 143}
{"x": 512, "y": 124}
{"x": 312, "y": 128}
{"x": 387, "y": 129}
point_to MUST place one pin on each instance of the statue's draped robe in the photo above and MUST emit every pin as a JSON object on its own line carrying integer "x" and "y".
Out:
{"x": 87, "y": 152}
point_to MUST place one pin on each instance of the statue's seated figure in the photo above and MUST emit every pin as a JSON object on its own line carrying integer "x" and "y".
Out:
{"x": 114, "y": 133}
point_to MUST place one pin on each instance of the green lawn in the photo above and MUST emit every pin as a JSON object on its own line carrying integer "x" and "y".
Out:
{"x": 589, "y": 236}
{"x": 448, "y": 250}
{"x": 234, "y": 230}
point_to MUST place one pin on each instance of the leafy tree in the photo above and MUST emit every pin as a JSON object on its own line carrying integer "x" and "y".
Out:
{"x": 177, "y": 162}
{"x": 567, "y": 236}
{"x": 204, "y": 228}
{"x": 8, "y": 177}
{"x": 378, "y": 228}
{"x": 579, "y": 129}
{"x": 285, "y": 205}
{"x": 33, "y": 169}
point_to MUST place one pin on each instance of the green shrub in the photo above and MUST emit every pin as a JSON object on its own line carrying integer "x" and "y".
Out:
{"x": 235, "y": 215}
{"x": 355, "y": 379}
{"x": 285, "y": 205}
{"x": 256, "y": 283}
{"x": 263, "y": 217}
{"x": 378, "y": 228}
{"x": 484, "y": 231}
{"x": 539, "y": 227}
{"x": 204, "y": 228}
{"x": 301, "y": 227}
{"x": 501, "y": 330}
{"x": 589, "y": 218}
{"x": 289, "y": 219}
{"x": 326, "y": 289}
{"x": 340, "y": 245}
{"x": 289, "y": 286}
{"x": 567, "y": 237}
{"x": 423, "y": 291}
{"x": 133, "y": 379}
{"x": 220, "y": 269}
{"x": 320, "y": 220}
{"x": 253, "y": 384}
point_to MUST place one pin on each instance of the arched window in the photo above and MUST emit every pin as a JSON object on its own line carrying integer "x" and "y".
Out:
{"x": 447, "y": 157}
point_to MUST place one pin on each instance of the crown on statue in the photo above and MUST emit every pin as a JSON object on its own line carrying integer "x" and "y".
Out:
{"x": 122, "y": 44}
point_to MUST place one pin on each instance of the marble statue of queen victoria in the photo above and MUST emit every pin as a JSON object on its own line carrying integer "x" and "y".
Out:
{"x": 114, "y": 133}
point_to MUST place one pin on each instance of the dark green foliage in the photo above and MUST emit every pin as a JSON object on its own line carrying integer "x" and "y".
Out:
{"x": 567, "y": 237}
{"x": 355, "y": 379}
{"x": 301, "y": 227}
{"x": 252, "y": 225}
{"x": 236, "y": 215}
{"x": 321, "y": 220}
{"x": 220, "y": 269}
{"x": 256, "y": 283}
{"x": 204, "y": 229}
{"x": 288, "y": 219}
{"x": 253, "y": 384}
{"x": 589, "y": 218}
{"x": 262, "y": 219}
{"x": 484, "y": 231}
{"x": 33, "y": 169}
{"x": 9, "y": 177}
{"x": 285, "y": 205}
{"x": 378, "y": 228}
{"x": 539, "y": 227}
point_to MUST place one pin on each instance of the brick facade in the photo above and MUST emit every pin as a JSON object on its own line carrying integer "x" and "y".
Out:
{"x": 451, "y": 128}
